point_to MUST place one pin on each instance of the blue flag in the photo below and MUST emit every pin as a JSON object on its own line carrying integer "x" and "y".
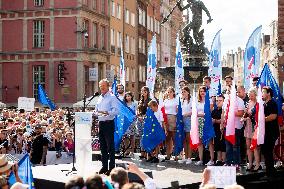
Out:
{"x": 179, "y": 136}
{"x": 152, "y": 66}
{"x": 215, "y": 63}
{"x": 25, "y": 172}
{"x": 266, "y": 79}
{"x": 122, "y": 121}
{"x": 219, "y": 88}
{"x": 179, "y": 72}
{"x": 208, "y": 130}
{"x": 252, "y": 57}
{"x": 153, "y": 133}
{"x": 114, "y": 87}
{"x": 43, "y": 98}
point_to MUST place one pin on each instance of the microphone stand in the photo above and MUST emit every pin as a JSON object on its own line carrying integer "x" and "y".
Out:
{"x": 69, "y": 119}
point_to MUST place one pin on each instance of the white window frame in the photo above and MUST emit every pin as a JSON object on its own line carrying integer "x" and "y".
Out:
{"x": 140, "y": 16}
{"x": 112, "y": 8}
{"x": 133, "y": 74}
{"x": 38, "y": 33}
{"x": 112, "y": 37}
{"x": 133, "y": 21}
{"x": 38, "y": 3}
{"x": 118, "y": 12}
{"x": 38, "y": 78}
{"x": 127, "y": 74}
{"x": 127, "y": 43}
{"x": 148, "y": 22}
{"x": 95, "y": 33}
{"x": 118, "y": 40}
{"x": 127, "y": 16}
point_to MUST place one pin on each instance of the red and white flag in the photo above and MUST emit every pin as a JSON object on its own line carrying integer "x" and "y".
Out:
{"x": 194, "y": 134}
{"x": 230, "y": 123}
{"x": 259, "y": 131}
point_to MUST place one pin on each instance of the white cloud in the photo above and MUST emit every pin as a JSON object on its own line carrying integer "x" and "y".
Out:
{"x": 237, "y": 19}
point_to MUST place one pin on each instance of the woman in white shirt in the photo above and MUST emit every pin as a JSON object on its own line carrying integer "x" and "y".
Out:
{"x": 200, "y": 115}
{"x": 186, "y": 113}
{"x": 170, "y": 105}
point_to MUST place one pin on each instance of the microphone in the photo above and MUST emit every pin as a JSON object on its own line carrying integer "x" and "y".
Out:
{"x": 95, "y": 95}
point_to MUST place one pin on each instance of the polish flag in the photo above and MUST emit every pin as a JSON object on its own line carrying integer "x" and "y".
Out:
{"x": 194, "y": 134}
{"x": 251, "y": 63}
{"x": 259, "y": 131}
{"x": 230, "y": 127}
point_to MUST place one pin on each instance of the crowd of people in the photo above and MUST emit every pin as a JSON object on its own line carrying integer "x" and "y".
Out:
{"x": 44, "y": 130}
{"x": 221, "y": 151}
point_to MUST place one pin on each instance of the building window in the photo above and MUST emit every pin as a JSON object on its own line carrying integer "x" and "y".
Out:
{"x": 142, "y": 17}
{"x": 127, "y": 43}
{"x": 143, "y": 73}
{"x": 103, "y": 6}
{"x": 38, "y": 78}
{"x": 133, "y": 19}
{"x": 112, "y": 37}
{"x": 119, "y": 41}
{"x": 85, "y": 2}
{"x": 95, "y": 38}
{"x": 118, "y": 12}
{"x": 95, "y": 5}
{"x": 143, "y": 46}
{"x": 38, "y": 33}
{"x": 127, "y": 74}
{"x": 132, "y": 45}
{"x": 38, "y": 3}
{"x": 148, "y": 22}
{"x": 140, "y": 20}
{"x": 133, "y": 75}
{"x": 103, "y": 38}
{"x": 86, "y": 28}
{"x": 113, "y": 8}
{"x": 127, "y": 16}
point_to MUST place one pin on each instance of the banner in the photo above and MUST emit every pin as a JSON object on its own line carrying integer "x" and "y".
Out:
{"x": 122, "y": 67}
{"x": 215, "y": 65}
{"x": 152, "y": 66}
{"x": 179, "y": 72}
{"x": 93, "y": 74}
{"x": 28, "y": 104}
{"x": 252, "y": 57}
{"x": 83, "y": 142}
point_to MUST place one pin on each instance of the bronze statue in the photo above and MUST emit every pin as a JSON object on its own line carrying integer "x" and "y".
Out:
{"x": 194, "y": 45}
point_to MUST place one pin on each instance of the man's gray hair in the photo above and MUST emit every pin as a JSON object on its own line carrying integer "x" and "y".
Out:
{"x": 105, "y": 80}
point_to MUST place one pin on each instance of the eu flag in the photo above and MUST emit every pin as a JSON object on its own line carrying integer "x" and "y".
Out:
{"x": 153, "y": 133}
{"x": 266, "y": 79}
{"x": 43, "y": 98}
{"x": 123, "y": 120}
{"x": 25, "y": 172}
{"x": 219, "y": 88}
{"x": 114, "y": 87}
{"x": 208, "y": 130}
{"x": 179, "y": 136}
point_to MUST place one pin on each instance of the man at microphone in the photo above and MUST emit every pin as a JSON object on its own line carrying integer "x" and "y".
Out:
{"x": 107, "y": 110}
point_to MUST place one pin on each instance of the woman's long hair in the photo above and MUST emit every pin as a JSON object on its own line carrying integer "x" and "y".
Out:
{"x": 186, "y": 88}
{"x": 199, "y": 93}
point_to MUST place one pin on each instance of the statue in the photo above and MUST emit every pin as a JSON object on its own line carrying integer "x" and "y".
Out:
{"x": 194, "y": 45}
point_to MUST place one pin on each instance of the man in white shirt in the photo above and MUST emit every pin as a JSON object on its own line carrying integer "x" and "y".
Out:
{"x": 107, "y": 110}
{"x": 233, "y": 156}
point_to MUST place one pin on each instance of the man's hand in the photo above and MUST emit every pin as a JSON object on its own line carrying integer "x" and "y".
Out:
{"x": 133, "y": 168}
{"x": 209, "y": 20}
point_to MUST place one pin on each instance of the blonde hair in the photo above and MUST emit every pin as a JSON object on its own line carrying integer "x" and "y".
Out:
{"x": 253, "y": 90}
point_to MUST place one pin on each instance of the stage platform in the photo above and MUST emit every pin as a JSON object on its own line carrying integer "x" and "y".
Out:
{"x": 188, "y": 176}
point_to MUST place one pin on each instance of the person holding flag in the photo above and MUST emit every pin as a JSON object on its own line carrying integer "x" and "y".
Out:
{"x": 186, "y": 113}
{"x": 249, "y": 119}
{"x": 141, "y": 113}
{"x": 271, "y": 130}
{"x": 158, "y": 114}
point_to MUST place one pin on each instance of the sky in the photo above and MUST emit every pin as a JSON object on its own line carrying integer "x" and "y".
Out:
{"x": 237, "y": 19}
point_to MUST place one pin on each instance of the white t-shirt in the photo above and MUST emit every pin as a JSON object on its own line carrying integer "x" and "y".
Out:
{"x": 239, "y": 106}
{"x": 121, "y": 97}
{"x": 159, "y": 116}
{"x": 200, "y": 107}
{"x": 171, "y": 106}
{"x": 186, "y": 107}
